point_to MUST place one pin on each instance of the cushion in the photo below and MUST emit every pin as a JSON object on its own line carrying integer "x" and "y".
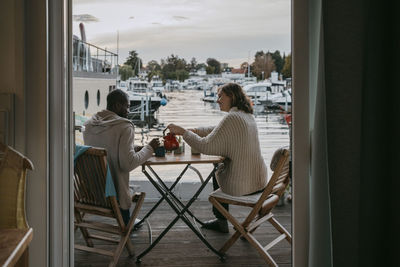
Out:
{"x": 275, "y": 158}
{"x": 250, "y": 199}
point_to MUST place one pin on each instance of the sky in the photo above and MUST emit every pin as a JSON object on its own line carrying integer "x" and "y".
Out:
{"x": 230, "y": 31}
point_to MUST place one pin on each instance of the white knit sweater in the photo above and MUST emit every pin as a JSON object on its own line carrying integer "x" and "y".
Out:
{"x": 235, "y": 138}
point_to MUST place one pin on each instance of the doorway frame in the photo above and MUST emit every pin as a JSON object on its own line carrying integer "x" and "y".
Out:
{"x": 60, "y": 189}
{"x": 60, "y": 133}
{"x": 301, "y": 132}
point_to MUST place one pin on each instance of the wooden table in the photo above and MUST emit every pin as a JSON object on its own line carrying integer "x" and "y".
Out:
{"x": 14, "y": 246}
{"x": 168, "y": 195}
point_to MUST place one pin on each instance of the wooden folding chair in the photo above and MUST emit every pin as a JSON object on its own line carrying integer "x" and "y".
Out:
{"x": 13, "y": 169}
{"x": 261, "y": 204}
{"x": 90, "y": 182}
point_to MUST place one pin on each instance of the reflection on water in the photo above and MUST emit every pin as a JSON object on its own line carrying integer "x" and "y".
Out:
{"x": 188, "y": 110}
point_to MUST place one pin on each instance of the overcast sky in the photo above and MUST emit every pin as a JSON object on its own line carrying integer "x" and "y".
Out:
{"x": 227, "y": 30}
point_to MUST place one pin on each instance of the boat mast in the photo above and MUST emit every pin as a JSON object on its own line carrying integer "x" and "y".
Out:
{"x": 248, "y": 66}
{"x": 118, "y": 54}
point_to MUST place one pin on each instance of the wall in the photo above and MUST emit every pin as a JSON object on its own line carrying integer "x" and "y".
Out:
{"x": 36, "y": 145}
{"x": 12, "y": 61}
{"x": 23, "y": 72}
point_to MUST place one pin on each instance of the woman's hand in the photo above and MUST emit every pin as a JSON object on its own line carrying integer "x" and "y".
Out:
{"x": 175, "y": 129}
{"x": 193, "y": 131}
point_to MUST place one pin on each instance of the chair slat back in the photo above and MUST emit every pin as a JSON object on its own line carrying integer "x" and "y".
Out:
{"x": 276, "y": 185}
{"x": 13, "y": 169}
{"x": 282, "y": 180}
{"x": 280, "y": 175}
{"x": 90, "y": 178}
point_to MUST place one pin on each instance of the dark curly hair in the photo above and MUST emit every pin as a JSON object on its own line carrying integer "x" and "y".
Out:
{"x": 239, "y": 97}
{"x": 116, "y": 96}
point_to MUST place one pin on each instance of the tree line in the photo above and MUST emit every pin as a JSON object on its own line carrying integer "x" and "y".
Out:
{"x": 176, "y": 68}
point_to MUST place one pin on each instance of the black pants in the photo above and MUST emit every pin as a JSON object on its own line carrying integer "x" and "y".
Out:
{"x": 216, "y": 212}
{"x": 126, "y": 215}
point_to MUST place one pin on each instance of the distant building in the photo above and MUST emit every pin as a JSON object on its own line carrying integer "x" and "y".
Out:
{"x": 234, "y": 74}
{"x": 238, "y": 71}
{"x": 201, "y": 72}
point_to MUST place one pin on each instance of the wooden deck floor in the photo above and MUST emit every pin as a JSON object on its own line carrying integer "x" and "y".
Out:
{"x": 181, "y": 247}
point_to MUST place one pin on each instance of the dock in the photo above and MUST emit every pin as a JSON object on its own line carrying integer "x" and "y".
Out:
{"x": 181, "y": 247}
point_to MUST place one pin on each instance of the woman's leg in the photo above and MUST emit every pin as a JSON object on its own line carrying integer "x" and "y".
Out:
{"x": 219, "y": 224}
{"x": 216, "y": 212}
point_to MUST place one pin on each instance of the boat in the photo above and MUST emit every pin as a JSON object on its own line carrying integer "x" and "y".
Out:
{"x": 173, "y": 85}
{"x": 157, "y": 86}
{"x": 210, "y": 88}
{"x": 247, "y": 81}
{"x": 94, "y": 75}
{"x": 193, "y": 84}
{"x": 281, "y": 101}
{"x": 265, "y": 93}
{"x": 144, "y": 102}
{"x": 122, "y": 85}
{"x": 259, "y": 93}
{"x": 210, "y": 93}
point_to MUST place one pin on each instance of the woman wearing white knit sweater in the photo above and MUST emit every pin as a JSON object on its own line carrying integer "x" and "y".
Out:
{"x": 235, "y": 138}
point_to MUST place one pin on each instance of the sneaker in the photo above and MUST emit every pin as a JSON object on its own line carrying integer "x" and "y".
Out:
{"x": 219, "y": 225}
{"x": 137, "y": 224}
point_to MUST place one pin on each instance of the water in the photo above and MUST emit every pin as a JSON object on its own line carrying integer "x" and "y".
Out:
{"x": 186, "y": 109}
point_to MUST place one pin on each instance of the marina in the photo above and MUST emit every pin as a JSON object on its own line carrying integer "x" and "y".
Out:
{"x": 187, "y": 109}
{"x": 191, "y": 103}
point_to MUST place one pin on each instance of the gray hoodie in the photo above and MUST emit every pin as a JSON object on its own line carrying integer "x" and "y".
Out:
{"x": 116, "y": 134}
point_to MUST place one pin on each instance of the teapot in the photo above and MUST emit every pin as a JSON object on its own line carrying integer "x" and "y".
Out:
{"x": 170, "y": 142}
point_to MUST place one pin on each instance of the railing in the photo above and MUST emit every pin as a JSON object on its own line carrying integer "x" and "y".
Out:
{"x": 90, "y": 58}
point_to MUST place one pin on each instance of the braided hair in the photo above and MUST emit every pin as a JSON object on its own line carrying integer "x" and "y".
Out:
{"x": 239, "y": 97}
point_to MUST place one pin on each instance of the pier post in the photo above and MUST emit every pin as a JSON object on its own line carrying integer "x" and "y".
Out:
{"x": 147, "y": 105}
{"x": 142, "y": 109}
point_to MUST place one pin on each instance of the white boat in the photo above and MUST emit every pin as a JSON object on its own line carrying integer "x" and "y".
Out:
{"x": 259, "y": 93}
{"x": 142, "y": 98}
{"x": 247, "y": 81}
{"x": 193, "y": 84}
{"x": 263, "y": 94}
{"x": 210, "y": 89}
{"x": 94, "y": 76}
{"x": 157, "y": 86}
{"x": 282, "y": 101}
{"x": 173, "y": 86}
{"x": 137, "y": 85}
{"x": 122, "y": 85}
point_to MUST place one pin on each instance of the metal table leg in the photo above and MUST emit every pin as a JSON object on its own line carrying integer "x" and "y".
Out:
{"x": 179, "y": 208}
{"x": 176, "y": 199}
{"x": 162, "y": 195}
